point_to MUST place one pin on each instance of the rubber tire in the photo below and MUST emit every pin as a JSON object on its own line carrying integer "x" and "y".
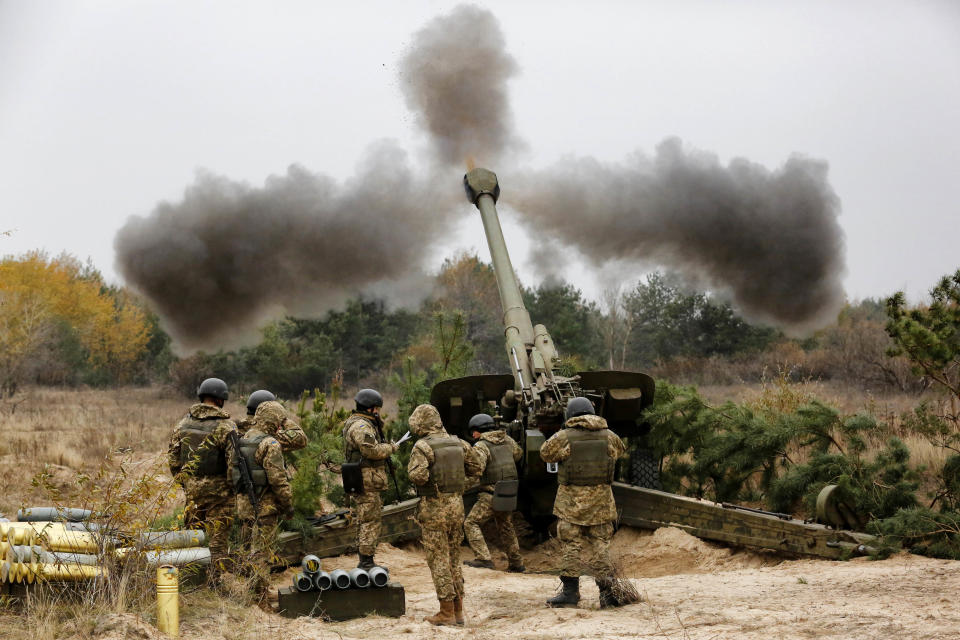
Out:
{"x": 645, "y": 469}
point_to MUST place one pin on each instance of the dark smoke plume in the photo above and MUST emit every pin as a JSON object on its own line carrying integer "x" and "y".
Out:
{"x": 229, "y": 256}
{"x": 454, "y": 78}
{"x": 768, "y": 239}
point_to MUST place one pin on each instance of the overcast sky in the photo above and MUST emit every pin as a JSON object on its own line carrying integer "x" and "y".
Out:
{"x": 107, "y": 108}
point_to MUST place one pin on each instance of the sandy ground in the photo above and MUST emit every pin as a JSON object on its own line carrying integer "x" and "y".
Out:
{"x": 692, "y": 589}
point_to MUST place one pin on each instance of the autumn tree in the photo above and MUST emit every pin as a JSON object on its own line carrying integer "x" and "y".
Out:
{"x": 51, "y": 308}
{"x": 469, "y": 287}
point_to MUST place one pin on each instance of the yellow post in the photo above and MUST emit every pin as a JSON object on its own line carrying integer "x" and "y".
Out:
{"x": 168, "y": 600}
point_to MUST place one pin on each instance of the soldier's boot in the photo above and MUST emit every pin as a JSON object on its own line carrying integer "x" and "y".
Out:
{"x": 607, "y": 597}
{"x": 445, "y": 617}
{"x": 569, "y": 594}
{"x": 458, "y": 610}
{"x": 614, "y": 595}
{"x": 516, "y": 565}
{"x": 479, "y": 564}
{"x": 366, "y": 562}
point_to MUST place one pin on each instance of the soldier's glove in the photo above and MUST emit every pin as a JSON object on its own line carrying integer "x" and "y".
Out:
{"x": 395, "y": 446}
{"x": 288, "y": 513}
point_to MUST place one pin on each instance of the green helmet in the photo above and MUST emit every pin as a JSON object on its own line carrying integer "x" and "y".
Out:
{"x": 481, "y": 422}
{"x": 579, "y": 407}
{"x": 214, "y": 388}
{"x": 257, "y": 398}
{"x": 367, "y": 399}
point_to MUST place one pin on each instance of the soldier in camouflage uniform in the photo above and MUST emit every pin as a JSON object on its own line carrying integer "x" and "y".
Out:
{"x": 439, "y": 466}
{"x": 498, "y": 455}
{"x": 290, "y": 435}
{"x": 254, "y": 400}
{"x": 264, "y": 457}
{"x": 587, "y": 453}
{"x": 197, "y": 455}
{"x": 364, "y": 443}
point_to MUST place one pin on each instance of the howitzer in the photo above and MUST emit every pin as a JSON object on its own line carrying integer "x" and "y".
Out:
{"x": 530, "y": 401}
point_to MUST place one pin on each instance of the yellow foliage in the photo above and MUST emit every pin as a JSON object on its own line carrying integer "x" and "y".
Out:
{"x": 38, "y": 293}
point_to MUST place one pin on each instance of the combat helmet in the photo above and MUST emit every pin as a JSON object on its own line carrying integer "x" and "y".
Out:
{"x": 367, "y": 399}
{"x": 579, "y": 407}
{"x": 214, "y": 388}
{"x": 482, "y": 423}
{"x": 257, "y": 398}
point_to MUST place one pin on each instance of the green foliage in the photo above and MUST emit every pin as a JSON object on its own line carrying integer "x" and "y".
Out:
{"x": 668, "y": 322}
{"x": 738, "y": 452}
{"x": 572, "y": 321}
{"x": 321, "y": 419}
{"x": 919, "y": 530}
{"x": 877, "y": 488}
{"x": 453, "y": 354}
{"x": 930, "y": 336}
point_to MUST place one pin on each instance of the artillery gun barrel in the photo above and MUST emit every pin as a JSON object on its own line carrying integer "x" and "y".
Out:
{"x": 483, "y": 189}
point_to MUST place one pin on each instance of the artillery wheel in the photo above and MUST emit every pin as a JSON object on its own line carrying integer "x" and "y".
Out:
{"x": 645, "y": 469}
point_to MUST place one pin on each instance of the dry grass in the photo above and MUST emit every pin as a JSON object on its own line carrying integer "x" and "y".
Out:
{"x": 71, "y": 431}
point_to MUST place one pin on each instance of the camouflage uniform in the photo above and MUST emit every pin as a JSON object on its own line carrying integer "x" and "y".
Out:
{"x": 441, "y": 516}
{"x": 482, "y": 510}
{"x": 290, "y": 435}
{"x": 260, "y": 529}
{"x": 209, "y": 498}
{"x": 361, "y": 435}
{"x": 586, "y": 513}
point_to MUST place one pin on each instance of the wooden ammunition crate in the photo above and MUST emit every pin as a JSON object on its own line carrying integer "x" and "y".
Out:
{"x": 344, "y": 604}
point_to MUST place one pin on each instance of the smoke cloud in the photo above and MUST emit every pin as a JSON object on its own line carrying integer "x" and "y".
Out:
{"x": 230, "y": 256}
{"x": 769, "y": 240}
{"x": 454, "y": 78}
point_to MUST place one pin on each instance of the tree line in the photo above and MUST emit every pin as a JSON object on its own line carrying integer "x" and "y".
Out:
{"x": 61, "y": 324}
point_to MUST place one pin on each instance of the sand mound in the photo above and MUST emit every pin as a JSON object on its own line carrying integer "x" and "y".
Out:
{"x": 123, "y": 626}
{"x": 643, "y": 554}
{"x": 669, "y": 551}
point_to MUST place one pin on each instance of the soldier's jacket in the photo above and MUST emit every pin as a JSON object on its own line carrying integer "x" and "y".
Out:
{"x": 210, "y": 488}
{"x": 583, "y": 505}
{"x": 425, "y": 423}
{"x": 244, "y": 423}
{"x": 289, "y": 434}
{"x": 277, "y": 497}
{"x": 483, "y": 453}
{"x": 361, "y": 435}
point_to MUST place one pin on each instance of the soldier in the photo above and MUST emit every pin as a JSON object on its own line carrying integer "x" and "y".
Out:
{"x": 254, "y": 400}
{"x": 439, "y": 465}
{"x": 290, "y": 435}
{"x": 365, "y": 445}
{"x": 263, "y": 455}
{"x": 198, "y": 461}
{"x": 498, "y": 454}
{"x": 587, "y": 453}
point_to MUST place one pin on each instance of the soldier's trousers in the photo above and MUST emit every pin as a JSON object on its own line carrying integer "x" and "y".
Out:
{"x": 592, "y": 539}
{"x": 215, "y": 517}
{"x": 442, "y": 537}
{"x": 481, "y": 512}
{"x": 367, "y": 509}
{"x": 259, "y": 550}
